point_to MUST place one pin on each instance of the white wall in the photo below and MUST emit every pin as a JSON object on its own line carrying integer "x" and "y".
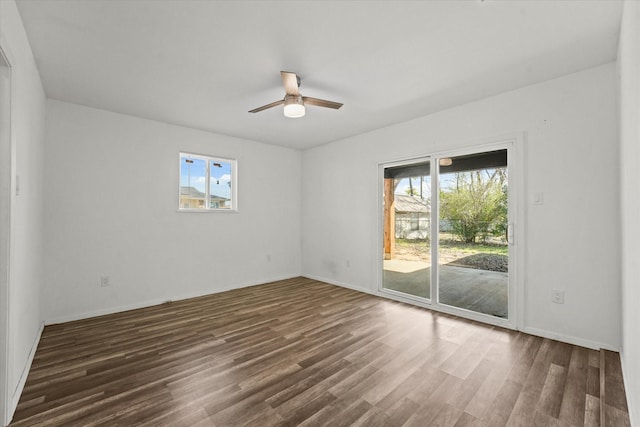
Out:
{"x": 26, "y": 264}
{"x": 111, "y": 210}
{"x": 571, "y": 242}
{"x": 629, "y": 69}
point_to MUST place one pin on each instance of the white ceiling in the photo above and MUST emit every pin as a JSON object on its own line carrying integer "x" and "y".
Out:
{"x": 204, "y": 64}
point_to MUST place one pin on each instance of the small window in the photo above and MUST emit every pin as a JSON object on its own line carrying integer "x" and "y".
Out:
{"x": 207, "y": 183}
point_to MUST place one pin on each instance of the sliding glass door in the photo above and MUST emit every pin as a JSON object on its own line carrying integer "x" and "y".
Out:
{"x": 448, "y": 244}
{"x": 473, "y": 251}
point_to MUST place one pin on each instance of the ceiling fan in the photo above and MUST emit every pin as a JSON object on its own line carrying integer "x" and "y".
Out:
{"x": 294, "y": 102}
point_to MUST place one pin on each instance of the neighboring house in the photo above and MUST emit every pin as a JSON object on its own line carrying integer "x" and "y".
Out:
{"x": 192, "y": 198}
{"x": 412, "y": 217}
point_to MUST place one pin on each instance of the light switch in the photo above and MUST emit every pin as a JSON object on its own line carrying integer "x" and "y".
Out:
{"x": 537, "y": 198}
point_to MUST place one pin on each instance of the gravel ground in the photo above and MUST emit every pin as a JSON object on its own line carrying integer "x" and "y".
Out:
{"x": 492, "y": 262}
{"x": 450, "y": 256}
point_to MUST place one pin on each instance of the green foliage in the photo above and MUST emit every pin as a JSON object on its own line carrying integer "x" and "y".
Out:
{"x": 502, "y": 220}
{"x": 475, "y": 204}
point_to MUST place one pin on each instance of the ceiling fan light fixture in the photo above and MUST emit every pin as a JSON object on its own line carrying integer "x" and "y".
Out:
{"x": 293, "y": 106}
{"x": 294, "y": 103}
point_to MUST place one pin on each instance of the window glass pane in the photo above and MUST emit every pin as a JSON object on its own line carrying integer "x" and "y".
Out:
{"x": 207, "y": 183}
{"x": 220, "y": 184}
{"x": 193, "y": 172}
{"x": 407, "y": 230}
{"x": 473, "y": 250}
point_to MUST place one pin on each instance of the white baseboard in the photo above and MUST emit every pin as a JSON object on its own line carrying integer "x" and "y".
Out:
{"x": 630, "y": 407}
{"x": 15, "y": 398}
{"x": 594, "y": 345}
{"x": 157, "y": 301}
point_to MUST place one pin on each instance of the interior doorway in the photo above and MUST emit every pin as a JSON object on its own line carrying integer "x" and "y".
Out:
{"x": 447, "y": 231}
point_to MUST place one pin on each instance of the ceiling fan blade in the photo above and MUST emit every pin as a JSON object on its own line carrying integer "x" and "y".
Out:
{"x": 264, "y": 107}
{"x": 321, "y": 102}
{"x": 290, "y": 82}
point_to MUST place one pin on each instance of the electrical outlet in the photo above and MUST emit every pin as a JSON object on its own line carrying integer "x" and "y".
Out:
{"x": 557, "y": 296}
{"x": 268, "y": 257}
{"x": 104, "y": 281}
{"x": 348, "y": 263}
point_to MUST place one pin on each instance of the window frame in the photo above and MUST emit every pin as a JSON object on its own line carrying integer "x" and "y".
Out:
{"x": 208, "y": 159}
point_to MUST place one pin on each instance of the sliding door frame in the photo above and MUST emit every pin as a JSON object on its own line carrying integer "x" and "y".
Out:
{"x": 514, "y": 143}
{"x": 424, "y": 302}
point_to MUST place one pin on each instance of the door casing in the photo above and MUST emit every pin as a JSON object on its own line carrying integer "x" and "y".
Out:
{"x": 7, "y": 167}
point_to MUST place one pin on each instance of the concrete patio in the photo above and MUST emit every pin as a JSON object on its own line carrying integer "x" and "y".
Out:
{"x": 477, "y": 290}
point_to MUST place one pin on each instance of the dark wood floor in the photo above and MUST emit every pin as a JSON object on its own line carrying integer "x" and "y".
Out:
{"x": 302, "y": 352}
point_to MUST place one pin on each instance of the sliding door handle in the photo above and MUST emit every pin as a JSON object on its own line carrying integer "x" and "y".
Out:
{"x": 510, "y": 234}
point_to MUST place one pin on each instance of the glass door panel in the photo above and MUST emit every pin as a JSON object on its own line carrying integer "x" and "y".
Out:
{"x": 473, "y": 251}
{"x": 407, "y": 229}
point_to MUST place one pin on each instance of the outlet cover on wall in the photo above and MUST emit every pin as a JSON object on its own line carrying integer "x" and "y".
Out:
{"x": 104, "y": 281}
{"x": 557, "y": 296}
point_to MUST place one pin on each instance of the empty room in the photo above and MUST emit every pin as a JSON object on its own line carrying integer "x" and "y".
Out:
{"x": 319, "y": 213}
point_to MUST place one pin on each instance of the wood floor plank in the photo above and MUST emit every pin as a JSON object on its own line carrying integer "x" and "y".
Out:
{"x": 615, "y": 395}
{"x": 399, "y": 413}
{"x": 303, "y": 352}
{"x": 470, "y": 387}
{"x": 503, "y": 404}
{"x": 415, "y": 388}
{"x": 591, "y": 411}
{"x": 373, "y": 418}
{"x": 572, "y": 409}
{"x": 467, "y": 420}
{"x": 448, "y": 416}
{"x": 502, "y": 368}
{"x": 337, "y": 414}
{"x": 551, "y": 395}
